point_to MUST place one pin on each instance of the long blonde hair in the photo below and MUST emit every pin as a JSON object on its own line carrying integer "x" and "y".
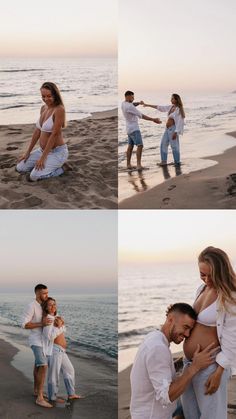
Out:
{"x": 222, "y": 273}
{"x": 179, "y": 103}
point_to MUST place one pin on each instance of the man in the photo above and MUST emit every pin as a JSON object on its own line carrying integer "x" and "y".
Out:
{"x": 32, "y": 320}
{"x": 154, "y": 386}
{"x": 131, "y": 115}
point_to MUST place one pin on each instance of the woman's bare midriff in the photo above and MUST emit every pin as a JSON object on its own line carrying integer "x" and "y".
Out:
{"x": 202, "y": 335}
{"x": 60, "y": 340}
{"x": 170, "y": 122}
{"x": 44, "y": 139}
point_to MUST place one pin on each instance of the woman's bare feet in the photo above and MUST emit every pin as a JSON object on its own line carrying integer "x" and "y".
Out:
{"x": 75, "y": 396}
{"x": 67, "y": 167}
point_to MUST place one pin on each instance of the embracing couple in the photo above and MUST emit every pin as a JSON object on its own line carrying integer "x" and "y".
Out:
{"x": 208, "y": 330}
{"x": 174, "y": 128}
{"x": 48, "y": 343}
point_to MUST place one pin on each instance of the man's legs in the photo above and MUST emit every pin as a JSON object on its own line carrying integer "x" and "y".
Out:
{"x": 129, "y": 155}
{"x": 139, "y": 156}
{"x": 40, "y": 370}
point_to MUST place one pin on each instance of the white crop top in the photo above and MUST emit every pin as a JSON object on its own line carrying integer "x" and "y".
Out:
{"x": 207, "y": 317}
{"x": 47, "y": 125}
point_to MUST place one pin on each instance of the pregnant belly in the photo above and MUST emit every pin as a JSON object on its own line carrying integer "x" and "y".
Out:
{"x": 202, "y": 335}
{"x": 60, "y": 340}
{"x": 170, "y": 122}
{"x": 44, "y": 139}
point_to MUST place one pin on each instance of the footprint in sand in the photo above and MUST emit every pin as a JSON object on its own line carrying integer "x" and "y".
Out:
{"x": 31, "y": 202}
{"x": 11, "y": 148}
{"x": 166, "y": 200}
{"x": 171, "y": 187}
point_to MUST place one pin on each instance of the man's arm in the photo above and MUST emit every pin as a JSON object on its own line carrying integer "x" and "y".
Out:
{"x": 148, "y": 118}
{"x": 201, "y": 360}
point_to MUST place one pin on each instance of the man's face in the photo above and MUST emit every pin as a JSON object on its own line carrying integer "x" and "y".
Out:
{"x": 43, "y": 295}
{"x": 181, "y": 327}
{"x": 130, "y": 98}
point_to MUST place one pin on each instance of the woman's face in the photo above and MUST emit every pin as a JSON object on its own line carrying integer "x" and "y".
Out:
{"x": 47, "y": 97}
{"x": 173, "y": 100}
{"x": 206, "y": 273}
{"x": 51, "y": 307}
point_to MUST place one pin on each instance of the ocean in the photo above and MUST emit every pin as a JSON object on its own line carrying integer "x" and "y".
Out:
{"x": 208, "y": 118}
{"x": 91, "y": 322}
{"x": 87, "y": 85}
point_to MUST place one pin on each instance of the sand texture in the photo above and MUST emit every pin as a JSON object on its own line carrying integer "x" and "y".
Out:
{"x": 211, "y": 188}
{"x": 92, "y": 183}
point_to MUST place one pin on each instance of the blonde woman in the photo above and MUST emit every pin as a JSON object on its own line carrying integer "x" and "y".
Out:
{"x": 47, "y": 160}
{"x": 174, "y": 128}
{"x": 215, "y": 304}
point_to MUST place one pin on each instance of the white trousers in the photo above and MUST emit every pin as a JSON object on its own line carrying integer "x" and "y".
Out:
{"x": 197, "y": 405}
{"x": 59, "y": 362}
{"x": 53, "y": 163}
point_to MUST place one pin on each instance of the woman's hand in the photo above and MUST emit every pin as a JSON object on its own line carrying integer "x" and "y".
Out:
{"x": 24, "y": 157}
{"x": 213, "y": 382}
{"x": 40, "y": 163}
{"x": 174, "y": 136}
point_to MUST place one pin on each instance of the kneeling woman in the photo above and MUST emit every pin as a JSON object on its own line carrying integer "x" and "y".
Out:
{"x": 206, "y": 396}
{"x": 47, "y": 160}
{"x": 54, "y": 344}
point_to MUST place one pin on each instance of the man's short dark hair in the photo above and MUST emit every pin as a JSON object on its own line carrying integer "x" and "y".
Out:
{"x": 129, "y": 93}
{"x": 182, "y": 308}
{"x": 40, "y": 287}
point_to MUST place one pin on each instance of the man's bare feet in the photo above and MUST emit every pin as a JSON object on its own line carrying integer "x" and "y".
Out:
{"x": 129, "y": 167}
{"x": 75, "y": 396}
{"x": 140, "y": 168}
{"x": 43, "y": 403}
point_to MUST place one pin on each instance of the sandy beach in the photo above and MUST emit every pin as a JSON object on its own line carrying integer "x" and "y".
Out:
{"x": 96, "y": 380}
{"x": 92, "y": 184}
{"x": 210, "y": 188}
{"x": 124, "y": 395}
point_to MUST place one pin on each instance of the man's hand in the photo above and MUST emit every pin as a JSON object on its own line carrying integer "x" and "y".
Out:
{"x": 59, "y": 321}
{"x": 174, "y": 136}
{"x": 142, "y": 102}
{"x": 202, "y": 359}
{"x": 46, "y": 321}
{"x": 157, "y": 121}
{"x": 213, "y": 382}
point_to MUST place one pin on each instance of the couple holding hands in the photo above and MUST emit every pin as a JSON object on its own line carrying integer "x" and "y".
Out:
{"x": 174, "y": 128}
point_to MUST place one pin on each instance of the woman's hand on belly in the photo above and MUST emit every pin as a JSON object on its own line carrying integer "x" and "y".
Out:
{"x": 213, "y": 382}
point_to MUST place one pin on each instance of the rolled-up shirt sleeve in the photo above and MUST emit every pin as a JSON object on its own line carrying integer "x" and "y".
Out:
{"x": 133, "y": 110}
{"x": 28, "y": 315}
{"x": 160, "y": 374}
{"x": 227, "y": 356}
{"x": 164, "y": 108}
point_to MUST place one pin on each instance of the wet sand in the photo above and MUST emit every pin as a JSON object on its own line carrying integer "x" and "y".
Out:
{"x": 124, "y": 395}
{"x": 97, "y": 382}
{"x": 92, "y": 184}
{"x": 210, "y": 188}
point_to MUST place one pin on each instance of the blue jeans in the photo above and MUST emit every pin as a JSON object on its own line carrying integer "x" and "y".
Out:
{"x": 166, "y": 141}
{"x": 197, "y": 405}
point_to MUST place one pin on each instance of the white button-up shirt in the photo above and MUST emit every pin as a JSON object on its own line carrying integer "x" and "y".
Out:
{"x": 152, "y": 373}
{"x": 50, "y": 333}
{"x": 176, "y": 116}
{"x": 131, "y": 114}
{"x": 33, "y": 314}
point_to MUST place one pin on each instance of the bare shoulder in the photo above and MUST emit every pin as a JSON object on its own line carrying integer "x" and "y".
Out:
{"x": 42, "y": 108}
{"x": 59, "y": 110}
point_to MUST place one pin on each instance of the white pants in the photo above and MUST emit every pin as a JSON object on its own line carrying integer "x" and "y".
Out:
{"x": 52, "y": 167}
{"x": 59, "y": 362}
{"x": 197, "y": 405}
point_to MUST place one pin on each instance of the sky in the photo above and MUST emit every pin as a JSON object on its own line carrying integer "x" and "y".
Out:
{"x": 185, "y": 46}
{"x": 77, "y": 28}
{"x": 67, "y": 250}
{"x": 165, "y": 236}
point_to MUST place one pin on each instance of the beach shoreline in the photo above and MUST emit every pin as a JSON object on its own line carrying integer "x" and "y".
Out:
{"x": 92, "y": 184}
{"x": 209, "y": 188}
{"x": 95, "y": 379}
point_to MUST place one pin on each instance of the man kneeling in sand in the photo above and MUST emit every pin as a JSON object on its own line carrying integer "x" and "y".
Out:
{"x": 131, "y": 115}
{"x": 154, "y": 386}
{"x": 32, "y": 320}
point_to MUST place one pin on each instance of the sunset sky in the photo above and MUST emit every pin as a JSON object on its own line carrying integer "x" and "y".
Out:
{"x": 60, "y": 248}
{"x": 174, "y": 236}
{"x": 84, "y": 28}
{"x": 177, "y": 46}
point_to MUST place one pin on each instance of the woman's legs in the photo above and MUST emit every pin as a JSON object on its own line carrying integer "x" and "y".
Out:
{"x": 175, "y": 148}
{"x": 53, "y": 164}
{"x": 54, "y": 373}
{"x": 68, "y": 373}
{"x": 23, "y": 167}
{"x": 189, "y": 403}
{"x": 164, "y": 146}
